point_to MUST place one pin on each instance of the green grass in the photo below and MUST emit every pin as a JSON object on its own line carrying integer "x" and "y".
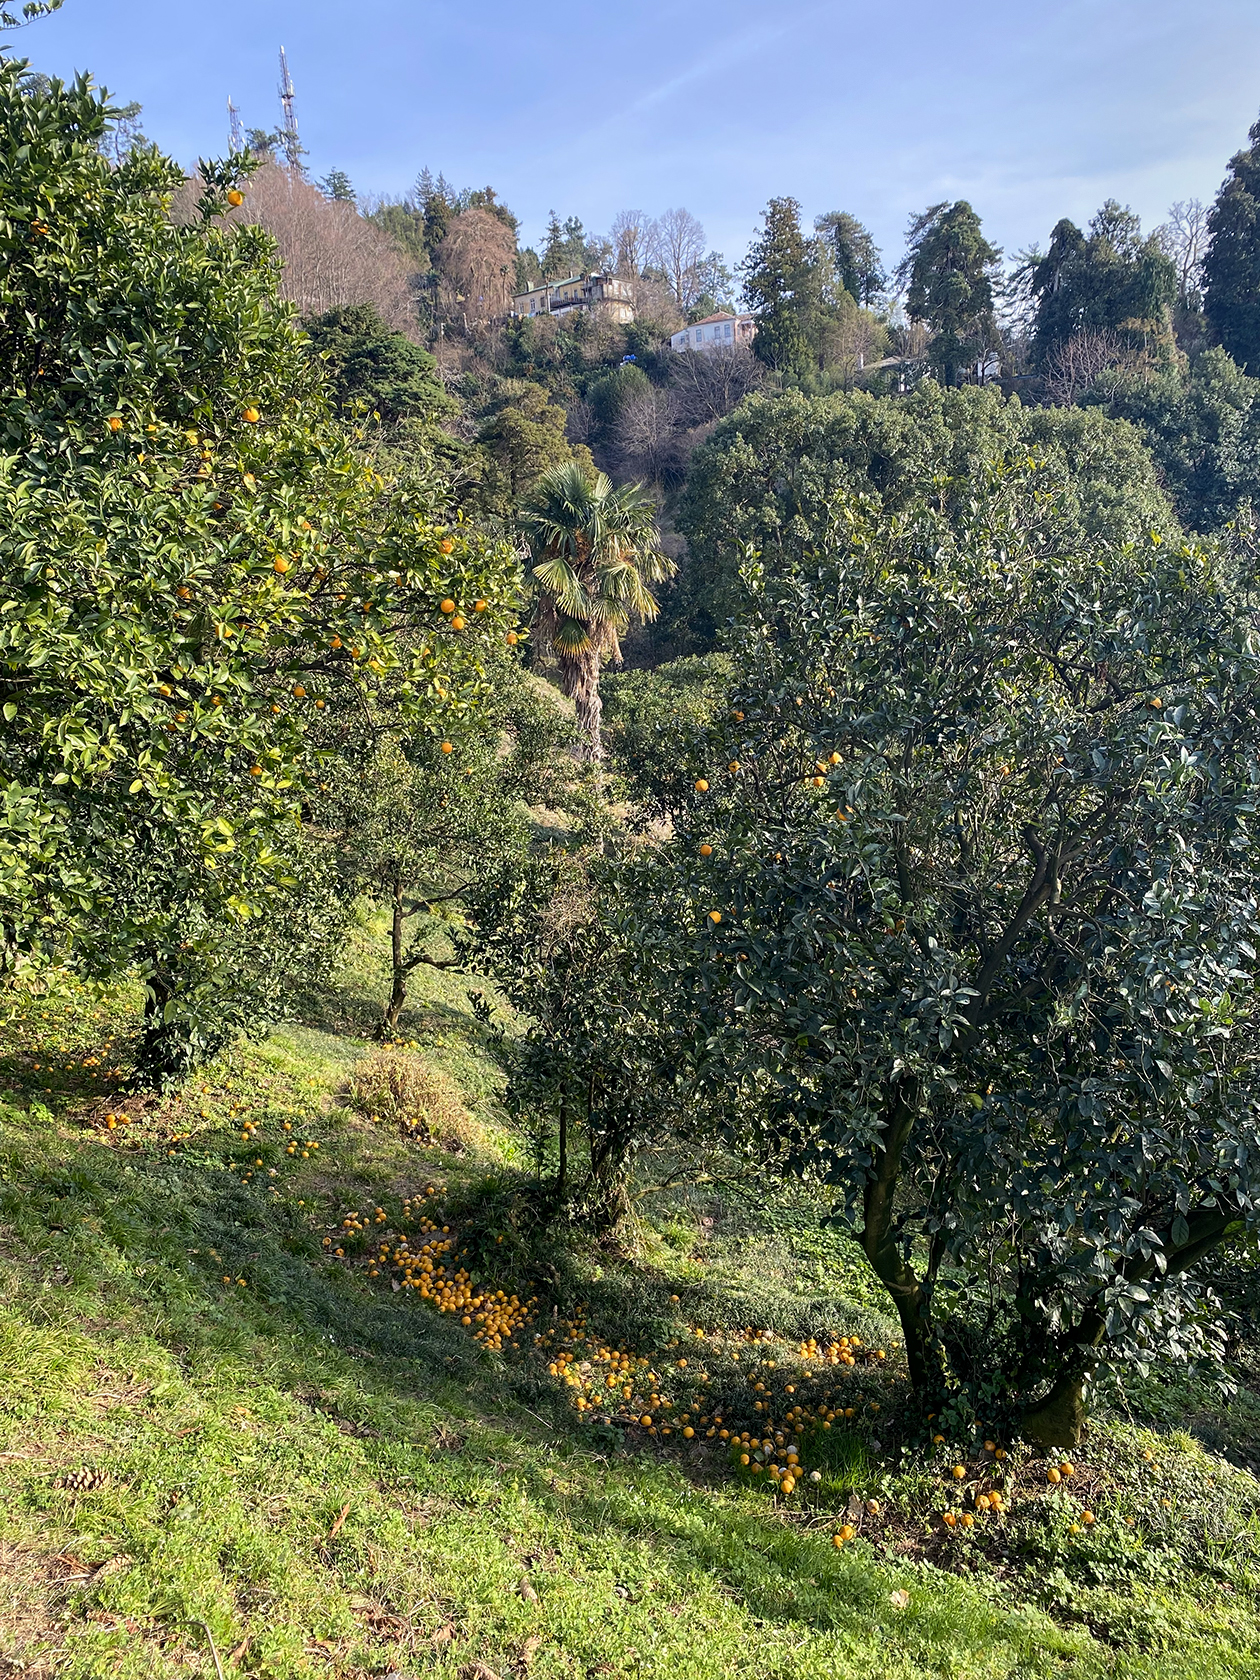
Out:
{"x": 319, "y": 1475}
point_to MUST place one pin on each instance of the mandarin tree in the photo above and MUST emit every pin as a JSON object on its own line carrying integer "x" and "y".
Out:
{"x": 957, "y": 915}
{"x": 195, "y": 561}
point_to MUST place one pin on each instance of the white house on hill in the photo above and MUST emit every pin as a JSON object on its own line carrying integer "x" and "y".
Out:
{"x": 716, "y": 332}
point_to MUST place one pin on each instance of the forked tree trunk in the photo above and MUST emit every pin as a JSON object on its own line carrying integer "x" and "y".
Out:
{"x": 579, "y": 678}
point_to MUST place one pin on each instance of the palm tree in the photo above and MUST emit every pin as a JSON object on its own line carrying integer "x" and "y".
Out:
{"x": 595, "y": 551}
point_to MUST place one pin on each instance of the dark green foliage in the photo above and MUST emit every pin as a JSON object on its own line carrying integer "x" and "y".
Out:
{"x": 767, "y": 475}
{"x": 1202, "y": 426}
{"x": 569, "y": 249}
{"x": 338, "y": 186}
{"x": 777, "y": 282}
{"x": 405, "y": 223}
{"x": 608, "y": 394}
{"x": 1114, "y": 281}
{"x": 371, "y": 365}
{"x": 651, "y": 716}
{"x": 855, "y": 254}
{"x": 1231, "y": 270}
{"x": 592, "y": 1076}
{"x": 950, "y": 267}
{"x": 976, "y": 939}
{"x": 519, "y": 441}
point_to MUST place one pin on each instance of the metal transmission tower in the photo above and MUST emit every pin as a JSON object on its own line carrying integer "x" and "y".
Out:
{"x": 236, "y": 129}
{"x": 293, "y": 147}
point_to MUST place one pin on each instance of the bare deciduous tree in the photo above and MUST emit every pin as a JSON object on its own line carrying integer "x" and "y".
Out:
{"x": 1079, "y": 362}
{"x": 1185, "y": 238}
{"x": 477, "y": 264}
{"x": 634, "y": 242}
{"x": 710, "y": 385}
{"x": 680, "y": 252}
{"x": 331, "y": 256}
{"x": 646, "y": 428}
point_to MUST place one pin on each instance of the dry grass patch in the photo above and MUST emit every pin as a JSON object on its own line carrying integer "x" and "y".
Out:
{"x": 398, "y": 1088}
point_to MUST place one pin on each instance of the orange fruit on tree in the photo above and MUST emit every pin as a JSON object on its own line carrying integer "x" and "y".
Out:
{"x": 447, "y": 606}
{"x": 447, "y": 546}
{"x": 447, "y": 747}
{"x": 235, "y": 198}
{"x": 282, "y": 565}
{"x": 706, "y": 850}
{"x": 457, "y": 623}
{"x": 715, "y": 916}
{"x": 115, "y": 424}
{"x": 252, "y": 415}
{"x": 480, "y": 606}
{"x": 702, "y": 786}
{"x": 512, "y": 638}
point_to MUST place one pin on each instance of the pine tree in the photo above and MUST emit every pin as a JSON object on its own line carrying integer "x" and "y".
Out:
{"x": 776, "y": 275}
{"x": 1114, "y": 282}
{"x": 950, "y": 266}
{"x": 855, "y": 254}
{"x": 338, "y": 186}
{"x": 1231, "y": 270}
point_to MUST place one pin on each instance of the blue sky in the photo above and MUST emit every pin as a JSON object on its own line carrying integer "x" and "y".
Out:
{"x": 1031, "y": 111}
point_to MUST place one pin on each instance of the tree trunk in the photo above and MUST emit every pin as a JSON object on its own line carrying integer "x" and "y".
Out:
{"x": 925, "y": 1353}
{"x": 153, "y": 1055}
{"x": 579, "y": 678}
{"x": 398, "y": 991}
{"x": 1059, "y": 1421}
{"x": 562, "y": 1166}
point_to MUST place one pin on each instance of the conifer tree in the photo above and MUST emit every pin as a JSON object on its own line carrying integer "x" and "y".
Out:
{"x": 776, "y": 274}
{"x": 950, "y": 266}
{"x": 1232, "y": 268}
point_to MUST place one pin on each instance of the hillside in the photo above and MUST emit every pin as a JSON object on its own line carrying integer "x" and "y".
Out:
{"x": 234, "y": 1435}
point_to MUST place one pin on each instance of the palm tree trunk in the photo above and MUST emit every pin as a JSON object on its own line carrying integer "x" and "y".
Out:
{"x": 579, "y": 678}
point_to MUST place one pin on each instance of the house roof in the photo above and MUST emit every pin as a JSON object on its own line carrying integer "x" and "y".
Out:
{"x": 710, "y": 319}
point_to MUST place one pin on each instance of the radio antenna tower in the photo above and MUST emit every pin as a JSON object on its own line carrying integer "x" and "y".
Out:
{"x": 236, "y": 129}
{"x": 293, "y": 147}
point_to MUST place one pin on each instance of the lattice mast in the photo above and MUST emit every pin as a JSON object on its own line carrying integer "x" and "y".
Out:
{"x": 236, "y": 128}
{"x": 293, "y": 148}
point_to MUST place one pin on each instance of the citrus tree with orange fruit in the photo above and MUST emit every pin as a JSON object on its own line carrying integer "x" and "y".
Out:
{"x": 197, "y": 566}
{"x": 957, "y": 916}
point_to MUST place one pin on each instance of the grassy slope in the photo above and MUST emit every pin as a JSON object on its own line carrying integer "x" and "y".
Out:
{"x": 322, "y": 1476}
